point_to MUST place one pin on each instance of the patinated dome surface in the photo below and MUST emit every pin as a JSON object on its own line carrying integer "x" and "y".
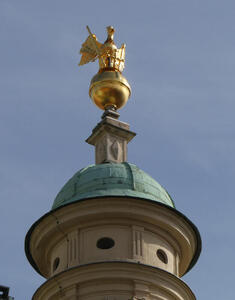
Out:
{"x": 111, "y": 179}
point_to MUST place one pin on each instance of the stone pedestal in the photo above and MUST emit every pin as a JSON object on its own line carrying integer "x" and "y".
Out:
{"x": 110, "y": 138}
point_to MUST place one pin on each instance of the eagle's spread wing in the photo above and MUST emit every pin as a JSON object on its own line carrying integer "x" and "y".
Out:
{"x": 89, "y": 50}
{"x": 120, "y": 58}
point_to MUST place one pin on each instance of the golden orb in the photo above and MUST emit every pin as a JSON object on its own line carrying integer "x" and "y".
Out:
{"x": 109, "y": 88}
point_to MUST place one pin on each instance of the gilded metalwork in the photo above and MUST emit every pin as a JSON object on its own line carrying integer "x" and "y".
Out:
{"x": 109, "y": 89}
{"x": 108, "y": 54}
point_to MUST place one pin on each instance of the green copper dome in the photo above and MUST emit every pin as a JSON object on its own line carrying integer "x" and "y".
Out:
{"x": 111, "y": 179}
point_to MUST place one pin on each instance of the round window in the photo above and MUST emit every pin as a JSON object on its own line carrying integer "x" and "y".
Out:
{"x": 105, "y": 243}
{"x": 162, "y": 256}
{"x": 56, "y": 263}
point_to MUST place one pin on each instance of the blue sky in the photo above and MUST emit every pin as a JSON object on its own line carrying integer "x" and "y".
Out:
{"x": 181, "y": 67}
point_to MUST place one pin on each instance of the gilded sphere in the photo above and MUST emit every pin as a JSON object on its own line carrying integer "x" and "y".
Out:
{"x": 109, "y": 89}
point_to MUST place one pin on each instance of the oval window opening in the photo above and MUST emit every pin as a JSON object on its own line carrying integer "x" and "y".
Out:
{"x": 56, "y": 263}
{"x": 162, "y": 256}
{"x": 105, "y": 243}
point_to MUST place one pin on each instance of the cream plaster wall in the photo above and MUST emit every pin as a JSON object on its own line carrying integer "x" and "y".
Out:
{"x": 132, "y": 243}
{"x": 59, "y": 252}
{"x": 114, "y": 281}
{"x": 153, "y": 243}
{"x": 89, "y": 237}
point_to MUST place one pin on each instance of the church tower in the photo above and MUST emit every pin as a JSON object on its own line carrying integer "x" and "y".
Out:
{"x": 113, "y": 232}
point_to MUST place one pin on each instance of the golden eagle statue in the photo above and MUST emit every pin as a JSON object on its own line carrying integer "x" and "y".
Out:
{"x": 110, "y": 57}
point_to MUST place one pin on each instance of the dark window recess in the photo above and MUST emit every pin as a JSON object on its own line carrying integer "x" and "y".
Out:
{"x": 105, "y": 243}
{"x": 162, "y": 256}
{"x": 56, "y": 263}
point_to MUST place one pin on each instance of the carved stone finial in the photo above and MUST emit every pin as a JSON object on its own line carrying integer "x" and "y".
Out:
{"x": 110, "y": 138}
